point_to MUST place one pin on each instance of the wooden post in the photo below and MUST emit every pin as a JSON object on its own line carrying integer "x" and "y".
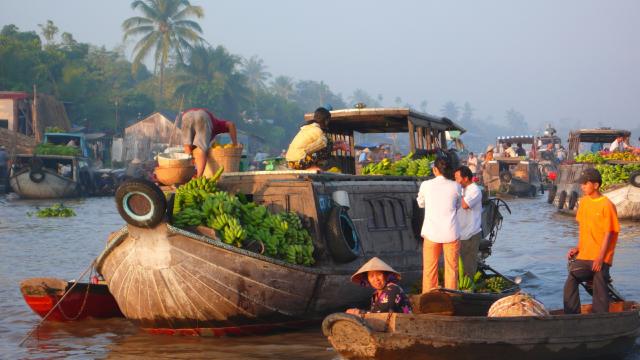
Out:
{"x": 412, "y": 139}
{"x": 443, "y": 140}
{"x": 421, "y": 137}
{"x": 429, "y": 139}
{"x": 34, "y": 119}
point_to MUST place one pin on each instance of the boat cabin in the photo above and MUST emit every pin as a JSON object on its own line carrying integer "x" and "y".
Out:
{"x": 65, "y": 139}
{"x": 600, "y": 139}
{"x": 525, "y": 140}
{"x": 519, "y": 176}
{"x": 426, "y": 132}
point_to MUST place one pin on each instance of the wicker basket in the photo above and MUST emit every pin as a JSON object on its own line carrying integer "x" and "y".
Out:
{"x": 229, "y": 158}
{"x": 517, "y": 305}
{"x": 174, "y": 175}
{"x": 174, "y": 159}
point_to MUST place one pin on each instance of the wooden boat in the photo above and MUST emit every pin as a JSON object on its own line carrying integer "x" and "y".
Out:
{"x": 516, "y": 176}
{"x": 84, "y": 299}
{"x": 436, "y": 336}
{"x": 53, "y": 176}
{"x": 171, "y": 280}
{"x": 565, "y": 194}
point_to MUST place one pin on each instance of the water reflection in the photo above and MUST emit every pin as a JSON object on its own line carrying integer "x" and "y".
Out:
{"x": 532, "y": 244}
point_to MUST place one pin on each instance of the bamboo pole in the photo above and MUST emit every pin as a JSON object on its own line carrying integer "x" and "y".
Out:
{"x": 34, "y": 118}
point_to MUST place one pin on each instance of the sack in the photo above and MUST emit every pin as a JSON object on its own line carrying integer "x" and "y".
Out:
{"x": 519, "y": 304}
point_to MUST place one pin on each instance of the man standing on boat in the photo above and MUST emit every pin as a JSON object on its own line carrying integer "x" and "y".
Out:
{"x": 598, "y": 233}
{"x": 440, "y": 198}
{"x": 199, "y": 128}
{"x": 469, "y": 219}
{"x": 311, "y": 147}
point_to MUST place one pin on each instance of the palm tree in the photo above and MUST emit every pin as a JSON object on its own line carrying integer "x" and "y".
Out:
{"x": 256, "y": 72}
{"x": 282, "y": 86}
{"x": 165, "y": 28}
{"x": 450, "y": 110}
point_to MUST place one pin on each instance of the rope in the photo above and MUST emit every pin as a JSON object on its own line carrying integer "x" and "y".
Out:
{"x": 84, "y": 302}
{"x": 56, "y": 305}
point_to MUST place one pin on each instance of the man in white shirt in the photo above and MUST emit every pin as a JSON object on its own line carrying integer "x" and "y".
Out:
{"x": 619, "y": 145}
{"x": 440, "y": 198}
{"x": 470, "y": 220}
{"x": 472, "y": 163}
{"x": 508, "y": 150}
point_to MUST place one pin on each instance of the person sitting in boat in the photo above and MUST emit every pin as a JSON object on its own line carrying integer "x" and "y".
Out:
{"x": 619, "y": 144}
{"x": 199, "y": 128}
{"x": 388, "y": 296}
{"x": 311, "y": 147}
{"x": 598, "y": 230}
{"x": 520, "y": 151}
{"x": 508, "y": 150}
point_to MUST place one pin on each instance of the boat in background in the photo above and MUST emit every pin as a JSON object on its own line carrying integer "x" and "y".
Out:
{"x": 82, "y": 300}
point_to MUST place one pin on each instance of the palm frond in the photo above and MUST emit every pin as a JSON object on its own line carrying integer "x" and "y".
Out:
{"x": 188, "y": 24}
{"x": 138, "y": 31}
{"x": 190, "y": 10}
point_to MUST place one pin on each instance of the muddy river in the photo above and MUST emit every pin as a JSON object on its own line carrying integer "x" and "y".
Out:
{"x": 532, "y": 244}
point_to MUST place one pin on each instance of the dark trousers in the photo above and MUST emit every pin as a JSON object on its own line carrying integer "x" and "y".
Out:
{"x": 580, "y": 271}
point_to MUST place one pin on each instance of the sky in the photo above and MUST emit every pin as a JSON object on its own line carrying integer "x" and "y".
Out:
{"x": 561, "y": 62}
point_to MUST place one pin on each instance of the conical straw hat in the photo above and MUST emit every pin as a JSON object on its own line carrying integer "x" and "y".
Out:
{"x": 375, "y": 264}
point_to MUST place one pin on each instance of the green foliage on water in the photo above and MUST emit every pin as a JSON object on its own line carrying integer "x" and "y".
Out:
{"x": 56, "y": 210}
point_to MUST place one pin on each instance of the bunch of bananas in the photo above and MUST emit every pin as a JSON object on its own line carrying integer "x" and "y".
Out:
{"x": 616, "y": 174}
{"x": 621, "y": 155}
{"x": 188, "y": 217}
{"x": 403, "y": 167}
{"x": 496, "y": 284}
{"x": 233, "y": 233}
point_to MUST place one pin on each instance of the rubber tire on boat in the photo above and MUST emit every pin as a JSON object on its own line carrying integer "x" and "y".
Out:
{"x": 36, "y": 175}
{"x": 156, "y": 202}
{"x": 343, "y": 240}
{"x": 551, "y": 194}
{"x": 561, "y": 199}
{"x": 573, "y": 200}
{"x": 506, "y": 176}
{"x": 634, "y": 178}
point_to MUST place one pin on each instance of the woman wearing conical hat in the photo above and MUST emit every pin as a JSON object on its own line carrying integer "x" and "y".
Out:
{"x": 388, "y": 295}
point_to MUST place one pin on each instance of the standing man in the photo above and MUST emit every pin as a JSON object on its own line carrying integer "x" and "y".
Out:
{"x": 472, "y": 163}
{"x": 598, "y": 233}
{"x": 199, "y": 128}
{"x": 520, "y": 151}
{"x": 440, "y": 198}
{"x": 470, "y": 220}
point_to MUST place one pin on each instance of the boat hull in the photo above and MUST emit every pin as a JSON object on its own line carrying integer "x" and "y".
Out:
{"x": 51, "y": 187}
{"x": 425, "y": 336}
{"x": 83, "y": 301}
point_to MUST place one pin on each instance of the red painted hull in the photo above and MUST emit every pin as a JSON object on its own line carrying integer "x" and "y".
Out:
{"x": 85, "y": 300}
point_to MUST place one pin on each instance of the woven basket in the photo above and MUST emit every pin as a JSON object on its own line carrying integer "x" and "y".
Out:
{"x": 517, "y": 305}
{"x": 174, "y": 159}
{"x": 174, "y": 175}
{"x": 229, "y": 158}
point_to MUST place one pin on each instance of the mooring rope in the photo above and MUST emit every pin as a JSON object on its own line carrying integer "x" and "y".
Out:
{"x": 57, "y": 304}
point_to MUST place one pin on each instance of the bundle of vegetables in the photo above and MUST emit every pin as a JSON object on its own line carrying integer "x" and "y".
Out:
{"x": 52, "y": 149}
{"x": 591, "y": 158}
{"x": 239, "y": 222}
{"x": 403, "y": 167}
{"x": 56, "y": 210}
{"x": 53, "y": 129}
{"x": 616, "y": 174}
{"x": 621, "y": 156}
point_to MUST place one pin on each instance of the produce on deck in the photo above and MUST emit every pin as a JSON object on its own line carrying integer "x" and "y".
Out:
{"x": 52, "y": 149}
{"x": 239, "y": 222}
{"x": 616, "y": 174}
{"x": 403, "y": 167}
{"x": 604, "y": 156}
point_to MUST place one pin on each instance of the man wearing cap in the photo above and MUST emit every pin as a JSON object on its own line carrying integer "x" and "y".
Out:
{"x": 440, "y": 198}
{"x": 311, "y": 146}
{"x": 388, "y": 296}
{"x": 598, "y": 233}
{"x": 199, "y": 128}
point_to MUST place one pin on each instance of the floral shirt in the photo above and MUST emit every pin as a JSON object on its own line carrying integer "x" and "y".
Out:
{"x": 390, "y": 299}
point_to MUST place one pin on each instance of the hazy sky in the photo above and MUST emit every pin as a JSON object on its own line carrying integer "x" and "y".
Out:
{"x": 554, "y": 61}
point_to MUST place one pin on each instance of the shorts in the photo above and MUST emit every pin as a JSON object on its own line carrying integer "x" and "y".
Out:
{"x": 196, "y": 129}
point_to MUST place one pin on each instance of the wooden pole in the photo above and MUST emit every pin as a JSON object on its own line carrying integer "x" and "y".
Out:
{"x": 412, "y": 138}
{"x": 34, "y": 118}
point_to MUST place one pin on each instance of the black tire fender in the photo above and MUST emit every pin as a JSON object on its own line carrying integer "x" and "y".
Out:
{"x": 343, "y": 239}
{"x": 37, "y": 175}
{"x": 573, "y": 200}
{"x": 634, "y": 178}
{"x": 141, "y": 203}
{"x": 505, "y": 176}
{"x": 562, "y": 197}
{"x": 551, "y": 194}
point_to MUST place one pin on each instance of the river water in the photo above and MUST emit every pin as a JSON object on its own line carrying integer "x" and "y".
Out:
{"x": 532, "y": 244}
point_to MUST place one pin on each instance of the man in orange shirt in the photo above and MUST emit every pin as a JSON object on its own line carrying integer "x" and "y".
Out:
{"x": 598, "y": 233}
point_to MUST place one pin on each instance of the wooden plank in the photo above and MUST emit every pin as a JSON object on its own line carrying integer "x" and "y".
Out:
{"x": 420, "y": 144}
{"x": 412, "y": 139}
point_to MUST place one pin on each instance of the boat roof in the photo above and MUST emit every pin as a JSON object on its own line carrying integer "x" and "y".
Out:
{"x": 385, "y": 120}
{"x": 599, "y": 135}
{"x": 68, "y": 157}
{"x": 524, "y": 139}
{"x": 80, "y": 135}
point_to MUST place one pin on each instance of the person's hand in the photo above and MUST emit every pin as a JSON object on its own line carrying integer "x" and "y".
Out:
{"x": 353, "y": 311}
{"x": 572, "y": 252}
{"x": 597, "y": 264}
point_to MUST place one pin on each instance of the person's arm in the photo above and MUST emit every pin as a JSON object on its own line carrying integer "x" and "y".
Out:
{"x": 420, "y": 198}
{"x": 233, "y": 132}
{"x": 319, "y": 143}
{"x": 597, "y": 263}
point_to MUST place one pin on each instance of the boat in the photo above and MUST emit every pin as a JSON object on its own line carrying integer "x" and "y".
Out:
{"x": 47, "y": 176}
{"x": 81, "y": 300}
{"x": 515, "y": 176}
{"x": 170, "y": 280}
{"x": 547, "y": 160}
{"x": 565, "y": 193}
{"x": 443, "y": 336}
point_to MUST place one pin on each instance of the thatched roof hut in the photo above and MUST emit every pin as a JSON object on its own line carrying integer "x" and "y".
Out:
{"x": 149, "y": 135}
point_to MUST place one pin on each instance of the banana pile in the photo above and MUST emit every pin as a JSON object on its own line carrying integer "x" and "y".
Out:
{"x": 238, "y": 221}
{"x": 403, "y": 167}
